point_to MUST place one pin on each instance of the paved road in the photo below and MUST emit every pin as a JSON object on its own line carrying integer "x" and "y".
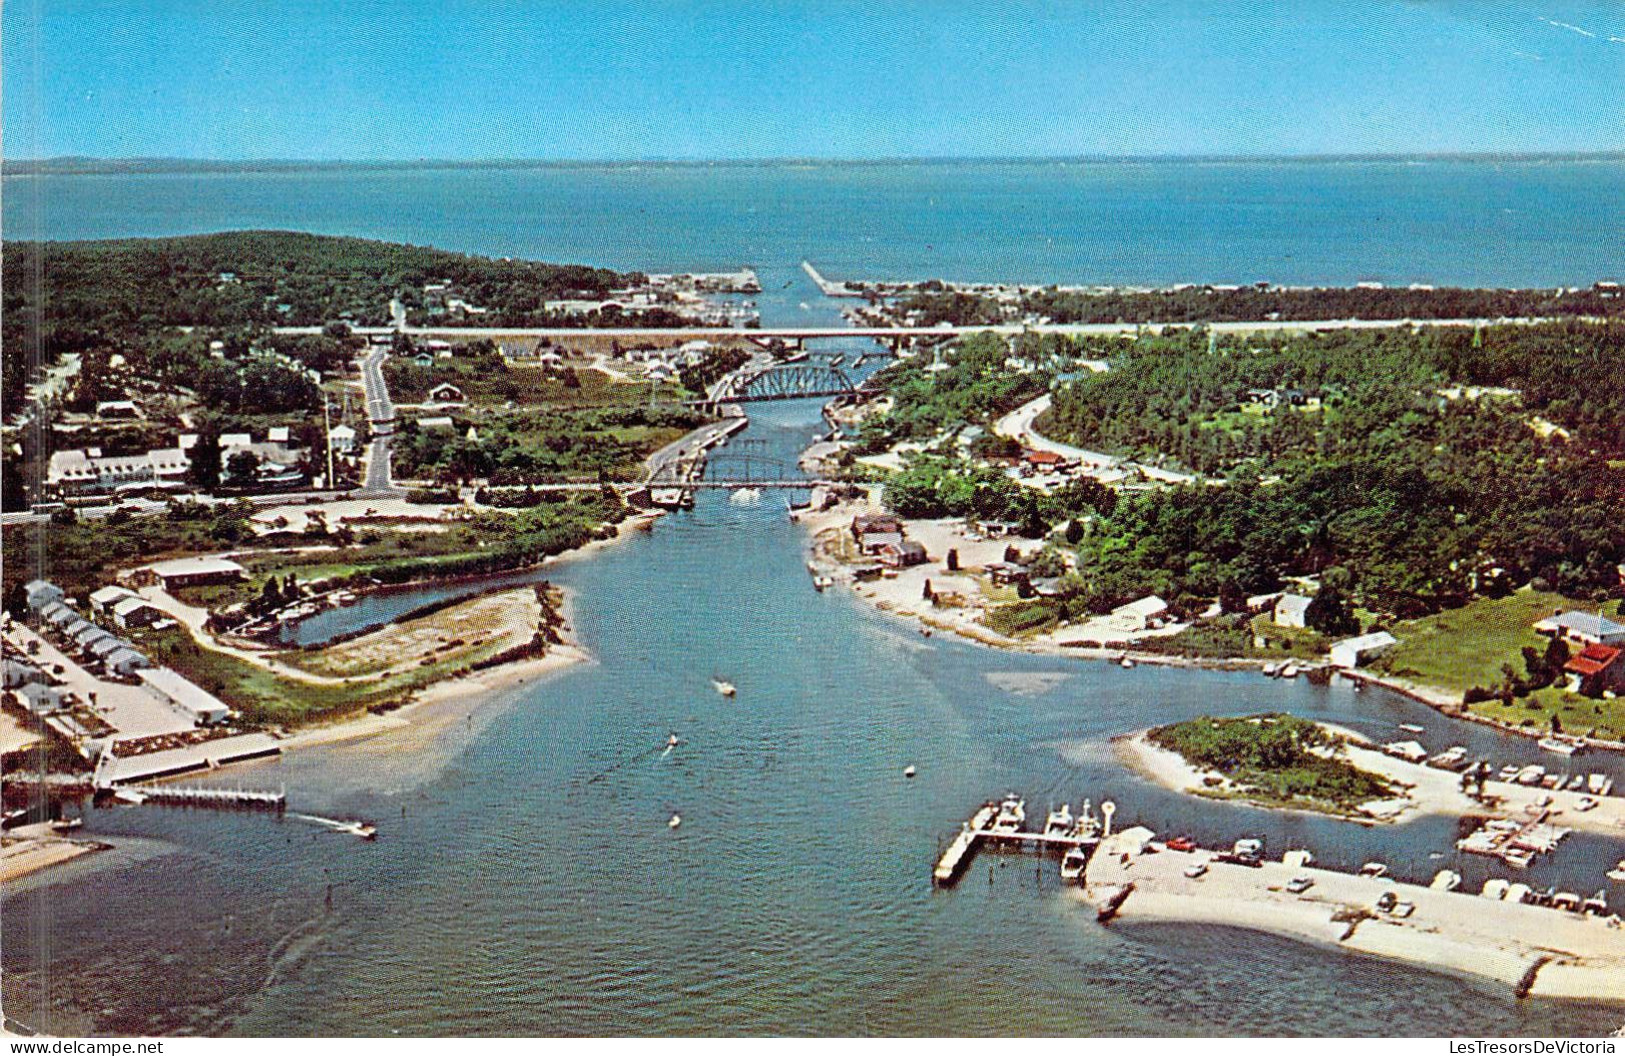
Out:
{"x": 1018, "y": 425}
{"x": 662, "y": 465}
{"x": 381, "y": 413}
{"x": 883, "y": 333}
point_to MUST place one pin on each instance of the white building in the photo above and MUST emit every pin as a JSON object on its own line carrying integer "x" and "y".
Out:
{"x": 342, "y": 437}
{"x": 1352, "y": 652}
{"x": 1141, "y": 615}
{"x": 1585, "y": 628}
{"x": 1290, "y": 609}
{"x": 204, "y": 707}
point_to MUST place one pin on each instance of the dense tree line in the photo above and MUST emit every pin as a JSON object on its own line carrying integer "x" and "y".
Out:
{"x": 974, "y": 388}
{"x": 1192, "y": 304}
{"x": 1420, "y": 500}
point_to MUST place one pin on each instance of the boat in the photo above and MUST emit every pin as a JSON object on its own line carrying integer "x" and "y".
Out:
{"x": 1072, "y": 865}
{"x": 1272, "y": 668}
{"x": 1509, "y": 773}
{"x": 676, "y": 820}
{"x": 1411, "y": 727}
{"x": 1599, "y": 784}
{"x": 357, "y": 828}
{"x": 1617, "y": 873}
{"x": 1126, "y": 663}
{"x": 822, "y": 583}
{"x": 1531, "y": 775}
{"x": 1374, "y": 870}
{"x": 1012, "y": 814}
{"x": 1060, "y": 822}
{"x": 909, "y": 771}
{"x": 1517, "y": 857}
{"x": 1446, "y": 880}
{"x": 67, "y": 824}
{"x": 745, "y": 496}
{"x": 1454, "y": 759}
{"x": 727, "y": 689}
{"x": 1559, "y": 746}
{"x": 1289, "y": 671}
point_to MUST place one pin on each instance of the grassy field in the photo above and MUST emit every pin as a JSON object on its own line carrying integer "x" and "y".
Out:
{"x": 388, "y": 664}
{"x": 460, "y": 634}
{"x": 523, "y": 386}
{"x": 1466, "y": 647}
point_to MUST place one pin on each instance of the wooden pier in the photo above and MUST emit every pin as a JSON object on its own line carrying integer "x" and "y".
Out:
{"x": 981, "y": 827}
{"x": 215, "y": 798}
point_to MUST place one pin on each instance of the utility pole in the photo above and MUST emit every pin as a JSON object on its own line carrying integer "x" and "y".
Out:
{"x": 327, "y": 422}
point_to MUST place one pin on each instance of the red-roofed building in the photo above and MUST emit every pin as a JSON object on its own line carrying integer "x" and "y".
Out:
{"x": 1043, "y": 459}
{"x": 1597, "y": 669}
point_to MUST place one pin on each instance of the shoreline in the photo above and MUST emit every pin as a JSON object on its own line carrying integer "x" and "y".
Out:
{"x": 821, "y": 524}
{"x": 1533, "y": 950}
{"x": 1425, "y": 791}
{"x": 1170, "y": 770}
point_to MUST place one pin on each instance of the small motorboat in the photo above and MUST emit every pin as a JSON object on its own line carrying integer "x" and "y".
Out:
{"x": 1126, "y": 663}
{"x": 1289, "y": 671}
{"x": 1411, "y": 727}
{"x": 671, "y": 743}
{"x": 67, "y": 824}
{"x": 1072, "y": 865}
{"x": 727, "y": 689}
{"x": 1558, "y": 746}
{"x": 1374, "y": 870}
{"x": 357, "y": 828}
{"x": 1271, "y": 669}
{"x": 676, "y": 820}
{"x": 909, "y": 771}
{"x": 1617, "y": 873}
{"x": 1060, "y": 822}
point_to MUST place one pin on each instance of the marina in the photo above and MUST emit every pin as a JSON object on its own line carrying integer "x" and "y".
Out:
{"x": 1001, "y": 823}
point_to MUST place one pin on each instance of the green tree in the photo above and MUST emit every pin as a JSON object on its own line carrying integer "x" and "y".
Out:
{"x": 203, "y": 469}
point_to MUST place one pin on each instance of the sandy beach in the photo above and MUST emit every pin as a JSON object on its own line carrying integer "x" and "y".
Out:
{"x": 1426, "y": 790}
{"x": 1532, "y": 949}
{"x": 30, "y": 848}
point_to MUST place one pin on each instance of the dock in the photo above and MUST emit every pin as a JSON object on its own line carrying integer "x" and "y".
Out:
{"x": 985, "y": 827}
{"x": 212, "y": 798}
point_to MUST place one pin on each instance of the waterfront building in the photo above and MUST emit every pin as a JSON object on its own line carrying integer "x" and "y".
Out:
{"x": 1144, "y": 614}
{"x": 204, "y": 707}
{"x": 1352, "y": 652}
{"x": 1582, "y": 628}
{"x": 1597, "y": 669}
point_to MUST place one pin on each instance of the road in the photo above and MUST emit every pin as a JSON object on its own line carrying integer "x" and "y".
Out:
{"x": 663, "y": 464}
{"x": 1018, "y": 425}
{"x": 883, "y": 333}
{"x": 381, "y": 413}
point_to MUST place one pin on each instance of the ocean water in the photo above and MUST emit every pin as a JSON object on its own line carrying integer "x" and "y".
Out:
{"x": 525, "y": 879}
{"x": 1442, "y": 222}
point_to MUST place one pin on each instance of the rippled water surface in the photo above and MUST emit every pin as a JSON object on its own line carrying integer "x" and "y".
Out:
{"x": 525, "y": 879}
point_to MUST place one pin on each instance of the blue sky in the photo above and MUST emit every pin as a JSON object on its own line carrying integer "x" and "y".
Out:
{"x": 459, "y": 79}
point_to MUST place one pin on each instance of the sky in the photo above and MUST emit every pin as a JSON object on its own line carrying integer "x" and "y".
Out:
{"x": 466, "y": 80}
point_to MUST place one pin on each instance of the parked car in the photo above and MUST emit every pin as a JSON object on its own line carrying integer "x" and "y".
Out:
{"x": 1299, "y": 884}
{"x": 1194, "y": 871}
{"x": 1182, "y": 843}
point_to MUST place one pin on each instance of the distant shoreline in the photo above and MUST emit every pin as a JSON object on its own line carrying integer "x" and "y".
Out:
{"x": 75, "y": 166}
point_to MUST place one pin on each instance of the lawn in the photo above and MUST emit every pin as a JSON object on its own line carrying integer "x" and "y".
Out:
{"x": 1465, "y": 647}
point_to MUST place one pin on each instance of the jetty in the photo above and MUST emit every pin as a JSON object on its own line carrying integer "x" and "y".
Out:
{"x": 826, "y": 287}
{"x": 1002, "y": 823}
